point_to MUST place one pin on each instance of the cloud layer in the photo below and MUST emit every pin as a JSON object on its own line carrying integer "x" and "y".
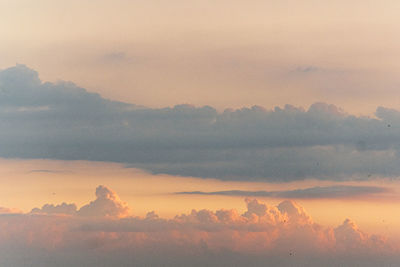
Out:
{"x": 58, "y": 235}
{"x": 63, "y": 121}
{"x": 334, "y": 191}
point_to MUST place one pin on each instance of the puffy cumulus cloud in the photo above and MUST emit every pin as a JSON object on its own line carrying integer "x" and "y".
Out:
{"x": 106, "y": 204}
{"x": 63, "y": 121}
{"x": 63, "y": 208}
{"x": 263, "y": 235}
{"x": 258, "y": 212}
{"x": 349, "y": 237}
{"x": 296, "y": 213}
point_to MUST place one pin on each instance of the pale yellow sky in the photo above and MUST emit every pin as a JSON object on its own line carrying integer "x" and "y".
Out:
{"x": 219, "y": 53}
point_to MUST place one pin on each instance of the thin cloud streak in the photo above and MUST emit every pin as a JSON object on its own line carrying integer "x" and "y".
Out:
{"x": 318, "y": 192}
{"x": 48, "y": 171}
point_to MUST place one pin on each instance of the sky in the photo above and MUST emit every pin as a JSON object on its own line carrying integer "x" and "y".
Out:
{"x": 199, "y": 133}
{"x": 227, "y": 54}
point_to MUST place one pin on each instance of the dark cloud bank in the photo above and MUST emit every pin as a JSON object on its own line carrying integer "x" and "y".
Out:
{"x": 63, "y": 121}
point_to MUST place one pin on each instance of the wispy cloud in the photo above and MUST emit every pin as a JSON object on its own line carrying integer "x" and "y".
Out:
{"x": 48, "y": 171}
{"x": 338, "y": 191}
{"x": 307, "y": 69}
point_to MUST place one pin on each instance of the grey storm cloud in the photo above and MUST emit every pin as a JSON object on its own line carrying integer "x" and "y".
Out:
{"x": 63, "y": 121}
{"x": 335, "y": 191}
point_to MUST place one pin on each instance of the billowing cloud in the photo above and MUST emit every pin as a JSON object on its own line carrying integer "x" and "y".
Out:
{"x": 107, "y": 204}
{"x": 263, "y": 235}
{"x": 333, "y": 191}
{"x": 63, "y": 208}
{"x": 349, "y": 237}
{"x": 63, "y": 121}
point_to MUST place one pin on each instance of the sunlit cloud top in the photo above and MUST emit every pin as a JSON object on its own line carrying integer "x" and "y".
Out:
{"x": 264, "y": 234}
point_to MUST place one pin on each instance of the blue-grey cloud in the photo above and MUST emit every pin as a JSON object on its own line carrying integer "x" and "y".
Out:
{"x": 336, "y": 191}
{"x": 307, "y": 69}
{"x": 115, "y": 56}
{"x": 63, "y": 121}
{"x": 118, "y": 58}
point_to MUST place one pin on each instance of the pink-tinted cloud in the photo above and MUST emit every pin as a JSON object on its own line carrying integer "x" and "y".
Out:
{"x": 63, "y": 208}
{"x": 4, "y": 210}
{"x": 106, "y": 204}
{"x": 262, "y": 235}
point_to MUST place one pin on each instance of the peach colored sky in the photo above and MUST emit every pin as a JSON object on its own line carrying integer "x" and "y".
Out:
{"x": 219, "y": 53}
{"x": 37, "y": 182}
{"x": 89, "y": 228}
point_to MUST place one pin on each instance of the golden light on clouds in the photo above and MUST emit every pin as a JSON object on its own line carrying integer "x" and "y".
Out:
{"x": 199, "y": 133}
{"x": 37, "y": 182}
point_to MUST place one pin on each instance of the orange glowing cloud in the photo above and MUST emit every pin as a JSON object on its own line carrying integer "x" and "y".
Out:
{"x": 104, "y": 226}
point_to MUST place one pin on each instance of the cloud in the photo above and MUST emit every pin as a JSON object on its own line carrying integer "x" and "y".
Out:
{"x": 349, "y": 237}
{"x": 307, "y": 69}
{"x": 63, "y": 208}
{"x": 106, "y": 204}
{"x": 63, "y": 121}
{"x": 295, "y": 212}
{"x": 115, "y": 56}
{"x": 263, "y": 235}
{"x": 334, "y": 191}
{"x": 118, "y": 58}
{"x": 4, "y": 210}
{"x": 47, "y": 171}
